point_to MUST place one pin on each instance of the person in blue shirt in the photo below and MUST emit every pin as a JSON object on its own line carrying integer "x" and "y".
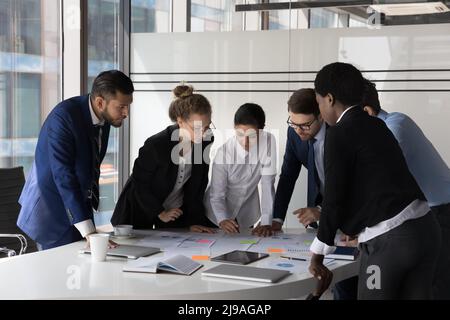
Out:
{"x": 430, "y": 171}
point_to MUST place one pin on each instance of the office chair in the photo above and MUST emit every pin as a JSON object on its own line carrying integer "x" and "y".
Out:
{"x": 12, "y": 241}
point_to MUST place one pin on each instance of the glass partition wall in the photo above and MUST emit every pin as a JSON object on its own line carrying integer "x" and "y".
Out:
{"x": 237, "y": 51}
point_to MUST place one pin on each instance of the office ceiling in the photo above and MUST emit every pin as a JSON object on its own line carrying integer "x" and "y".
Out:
{"x": 392, "y": 12}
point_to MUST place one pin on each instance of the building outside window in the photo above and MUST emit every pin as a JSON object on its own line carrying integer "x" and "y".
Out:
{"x": 150, "y": 16}
{"x": 29, "y": 75}
{"x": 103, "y": 54}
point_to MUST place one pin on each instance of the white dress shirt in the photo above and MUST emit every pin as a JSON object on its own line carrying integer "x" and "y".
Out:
{"x": 87, "y": 227}
{"x": 414, "y": 210}
{"x": 175, "y": 199}
{"x": 236, "y": 174}
{"x": 318, "y": 155}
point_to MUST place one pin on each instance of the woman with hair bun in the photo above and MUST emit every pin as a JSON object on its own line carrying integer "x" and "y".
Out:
{"x": 170, "y": 175}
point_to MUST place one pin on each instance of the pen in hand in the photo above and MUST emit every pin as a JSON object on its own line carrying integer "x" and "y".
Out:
{"x": 229, "y": 226}
{"x": 293, "y": 258}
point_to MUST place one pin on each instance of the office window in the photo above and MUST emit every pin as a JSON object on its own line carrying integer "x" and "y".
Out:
{"x": 4, "y": 111}
{"x": 28, "y": 90}
{"x": 274, "y": 19}
{"x": 323, "y": 18}
{"x": 29, "y": 75}
{"x": 279, "y": 20}
{"x": 103, "y": 35}
{"x": 103, "y": 26}
{"x": 150, "y": 16}
{"x": 221, "y": 15}
{"x": 215, "y": 15}
{"x": 356, "y": 22}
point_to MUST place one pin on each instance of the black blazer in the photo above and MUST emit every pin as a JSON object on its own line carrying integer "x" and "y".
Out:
{"x": 153, "y": 179}
{"x": 367, "y": 180}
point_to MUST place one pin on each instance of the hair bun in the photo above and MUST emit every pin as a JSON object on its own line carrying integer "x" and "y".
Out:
{"x": 183, "y": 91}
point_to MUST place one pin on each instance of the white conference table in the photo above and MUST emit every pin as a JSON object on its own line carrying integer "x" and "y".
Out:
{"x": 63, "y": 273}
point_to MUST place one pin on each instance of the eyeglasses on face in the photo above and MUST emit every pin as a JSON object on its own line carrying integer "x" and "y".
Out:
{"x": 197, "y": 125}
{"x": 303, "y": 126}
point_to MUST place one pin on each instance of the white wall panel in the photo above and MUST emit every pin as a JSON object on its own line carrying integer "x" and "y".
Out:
{"x": 232, "y": 68}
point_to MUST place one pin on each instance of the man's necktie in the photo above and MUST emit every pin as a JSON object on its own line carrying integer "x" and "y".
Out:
{"x": 95, "y": 191}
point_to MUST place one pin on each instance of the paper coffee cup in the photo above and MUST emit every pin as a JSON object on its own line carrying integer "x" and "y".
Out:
{"x": 99, "y": 246}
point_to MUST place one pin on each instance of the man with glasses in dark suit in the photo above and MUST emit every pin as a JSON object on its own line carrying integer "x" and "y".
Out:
{"x": 304, "y": 147}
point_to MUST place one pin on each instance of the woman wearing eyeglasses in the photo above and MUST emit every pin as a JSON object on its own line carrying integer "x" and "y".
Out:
{"x": 170, "y": 175}
{"x": 246, "y": 160}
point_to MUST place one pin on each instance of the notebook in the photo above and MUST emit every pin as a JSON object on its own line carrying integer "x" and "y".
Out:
{"x": 178, "y": 264}
{"x": 125, "y": 251}
{"x": 344, "y": 253}
{"x": 231, "y": 271}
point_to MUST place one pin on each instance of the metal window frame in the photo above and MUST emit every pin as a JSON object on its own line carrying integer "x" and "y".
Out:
{"x": 300, "y": 5}
{"x": 71, "y": 48}
{"x": 124, "y": 45}
{"x": 84, "y": 73}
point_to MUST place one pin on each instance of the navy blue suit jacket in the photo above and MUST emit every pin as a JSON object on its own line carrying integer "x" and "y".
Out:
{"x": 55, "y": 195}
{"x": 295, "y": 156}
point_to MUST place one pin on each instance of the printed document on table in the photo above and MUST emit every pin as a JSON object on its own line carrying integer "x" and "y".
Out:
{"x": 163, "y": 240}
{"x": 284, "y": 243}
{"x": 294, "y": 266}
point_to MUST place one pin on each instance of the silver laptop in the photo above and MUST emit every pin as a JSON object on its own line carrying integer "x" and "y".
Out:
{"x": 126, "y": 251}
{"x": 231, "y": 271}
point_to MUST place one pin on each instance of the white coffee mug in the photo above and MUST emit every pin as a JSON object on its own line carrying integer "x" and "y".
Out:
{"x": 123, "y": 230}
{"x": 99, "y": 246}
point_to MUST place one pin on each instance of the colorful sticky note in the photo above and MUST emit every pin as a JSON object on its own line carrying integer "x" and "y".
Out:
{"x": 275, "y": 250}
{"x": 200, "y": 258}
{"x": 248, "y": 241}
{"x": 204, "y": 241}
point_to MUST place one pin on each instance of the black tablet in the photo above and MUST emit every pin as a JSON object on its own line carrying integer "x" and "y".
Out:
{"x": 239, "y": 257}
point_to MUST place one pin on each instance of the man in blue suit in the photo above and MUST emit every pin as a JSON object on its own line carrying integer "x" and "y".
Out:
{"x": 62, "y": 188}
{"x": 304, "y": 147}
